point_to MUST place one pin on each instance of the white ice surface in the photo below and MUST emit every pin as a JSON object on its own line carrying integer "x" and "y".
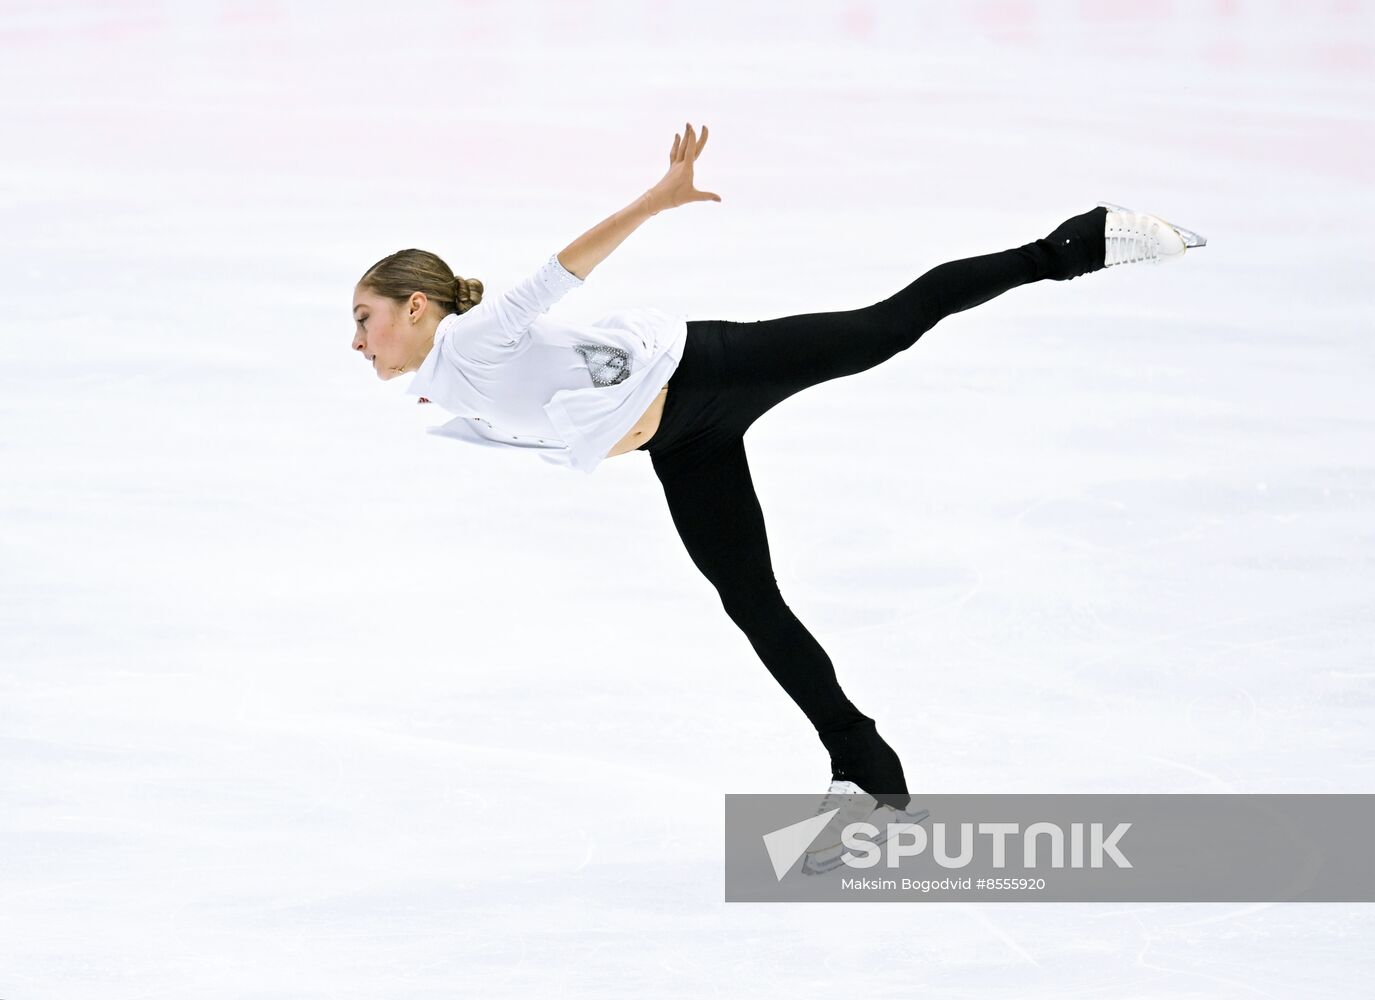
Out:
{"x": 298, "y": 701}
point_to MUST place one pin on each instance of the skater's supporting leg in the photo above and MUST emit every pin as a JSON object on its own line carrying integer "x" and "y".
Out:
{"x": 713, "y": 504}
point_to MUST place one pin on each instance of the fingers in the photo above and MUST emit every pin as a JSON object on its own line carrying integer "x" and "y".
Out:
{"x": 688, "y": 146}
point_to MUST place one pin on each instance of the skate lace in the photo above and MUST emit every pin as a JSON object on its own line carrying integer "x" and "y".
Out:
{"x": 1131, "y": 239}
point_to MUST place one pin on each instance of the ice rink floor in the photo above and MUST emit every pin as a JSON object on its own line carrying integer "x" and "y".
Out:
{"x": 299, "y": 701}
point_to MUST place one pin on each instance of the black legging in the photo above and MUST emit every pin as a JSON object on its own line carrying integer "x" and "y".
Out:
{"x": 732, "y": 373}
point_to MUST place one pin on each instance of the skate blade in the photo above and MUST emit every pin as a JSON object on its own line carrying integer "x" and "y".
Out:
{"x": 1191, "y": 238}
{"x": 821, "y": 862}
{"x": 829, "y": 858}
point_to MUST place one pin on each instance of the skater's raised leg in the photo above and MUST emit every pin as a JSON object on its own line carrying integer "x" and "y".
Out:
{"x": 770, "y": 360}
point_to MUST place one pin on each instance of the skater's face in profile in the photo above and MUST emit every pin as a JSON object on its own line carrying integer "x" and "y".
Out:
{"x": 388, "y": 333}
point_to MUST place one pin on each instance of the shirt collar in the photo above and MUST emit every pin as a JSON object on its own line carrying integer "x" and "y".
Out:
{"x": 424, "y": 376}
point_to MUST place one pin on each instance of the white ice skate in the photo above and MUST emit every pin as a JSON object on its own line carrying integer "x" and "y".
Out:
{"x": 1136, "y": 237}
{"x": 852, "y": 805}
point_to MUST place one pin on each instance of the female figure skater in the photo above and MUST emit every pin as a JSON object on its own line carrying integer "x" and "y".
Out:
{"x": 687, "y": 391}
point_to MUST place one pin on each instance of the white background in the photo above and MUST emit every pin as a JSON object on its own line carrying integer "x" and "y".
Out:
{"x": 299, "y": 701}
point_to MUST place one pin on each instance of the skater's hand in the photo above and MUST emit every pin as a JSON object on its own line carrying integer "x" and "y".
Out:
{"x": 676, "y": 186}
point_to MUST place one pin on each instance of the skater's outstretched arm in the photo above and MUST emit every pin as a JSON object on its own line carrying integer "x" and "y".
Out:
{"x": 674, "y": 188}
{"x": 496, "y": 326}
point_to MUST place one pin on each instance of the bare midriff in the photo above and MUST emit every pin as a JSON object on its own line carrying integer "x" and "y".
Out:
{"x": 644, "y": 428}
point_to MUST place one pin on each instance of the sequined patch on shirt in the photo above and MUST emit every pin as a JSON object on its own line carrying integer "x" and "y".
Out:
{"x": 606, "y": 365}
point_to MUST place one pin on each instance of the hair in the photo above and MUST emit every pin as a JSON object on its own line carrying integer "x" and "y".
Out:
{"x": 406, "y": 272}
